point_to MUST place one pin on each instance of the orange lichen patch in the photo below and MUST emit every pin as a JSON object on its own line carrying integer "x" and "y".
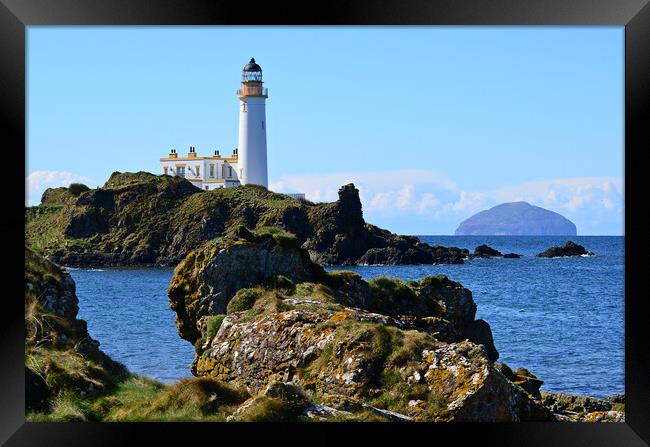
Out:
{"x": 340, "y": 316}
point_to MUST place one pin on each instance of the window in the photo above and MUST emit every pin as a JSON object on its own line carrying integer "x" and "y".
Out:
{"x": 211, "y": 170}
{"x": 229, "y": 171}
{"x": 243, "y": 107}
{"x": 198, "y": 171}
{"x": 165, "y": 170}
{"x": 223, "y": 171}
{"x": 207, "y": 187}
{"x": 180, "y": 171}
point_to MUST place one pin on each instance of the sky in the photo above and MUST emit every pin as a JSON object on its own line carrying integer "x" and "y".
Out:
{"x": 432, "y": 124}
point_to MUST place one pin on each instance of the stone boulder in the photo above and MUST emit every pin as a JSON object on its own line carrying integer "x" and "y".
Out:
{"x": 511, "y": 256}
{"x": 484, "y": 251}
{"x": 573, "y": 408}
{"x": 207, "y": 279}
{"x": 569, "y": 248}
{"x": 522, "y": 377}
{"x": 393, "y": 349}
{"x": 366, "y": 357}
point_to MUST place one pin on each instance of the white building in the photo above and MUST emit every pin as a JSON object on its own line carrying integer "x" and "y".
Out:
{"x": 247, "y": 164}
{"x": 205, "y": 172}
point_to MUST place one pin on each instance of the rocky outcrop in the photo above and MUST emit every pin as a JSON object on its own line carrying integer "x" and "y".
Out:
{"x": 569, "y": 248}
{"x": 516, "y": 219}
{"x": 511, "y": 256}
{"x": 223, "y": 274}
{"x": 393, "y": 349}
{"x": 354, "y": 355}
{"x": 140, "y": 219}
{"x": 60, "y": 354}
{"x": 484, "y": 251}
{"x": 522, "y": 377}
{"x": 569, "y": 407}
{"x": 208, "y": 278}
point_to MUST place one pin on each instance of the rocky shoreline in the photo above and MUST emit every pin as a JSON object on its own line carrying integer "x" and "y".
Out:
{"x": 279, "y": 339}
{"x": 144, "y": 219}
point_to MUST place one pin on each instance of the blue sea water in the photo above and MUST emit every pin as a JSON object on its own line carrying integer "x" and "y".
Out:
{"x": 563, "y": 318}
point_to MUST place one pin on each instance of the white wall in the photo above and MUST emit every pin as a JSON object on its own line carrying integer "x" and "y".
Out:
{"x": 252, "y": 141}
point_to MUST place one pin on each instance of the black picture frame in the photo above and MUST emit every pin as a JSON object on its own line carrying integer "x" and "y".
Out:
{"x": 16, "y": 15}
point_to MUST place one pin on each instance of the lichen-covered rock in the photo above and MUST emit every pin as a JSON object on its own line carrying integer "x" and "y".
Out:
{"x": 385, "y": 348}
{"x": 569, "y": 248}
{"x": 207, "y": 279}
{"x": 398, "y": 349}
{"x": 215, "y": 279}
{"x": 362, "y": 356}
{"x": 573, "y": 408}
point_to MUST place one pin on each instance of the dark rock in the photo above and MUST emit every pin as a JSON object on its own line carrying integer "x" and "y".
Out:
{"x": 569, "y": 248}
{"x": 559, "y": 402}
{"x": 479, "y": 332}
{"x": 617, "y": 399}
{"x": 36, "y": 392}
{"x": 483, "y": 251}
{"x": 524, "y": 378}
{"x": 516, "y": 219}
{"x": 511, "y": 256}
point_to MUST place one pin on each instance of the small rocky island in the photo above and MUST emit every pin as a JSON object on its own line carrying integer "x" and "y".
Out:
{"x": 569, "y": 248}
{"x": 516, "y": 219}
{"x": 145, "y": 219}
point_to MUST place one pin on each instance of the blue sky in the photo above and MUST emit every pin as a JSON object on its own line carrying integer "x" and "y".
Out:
{"x": 431, "y": 123}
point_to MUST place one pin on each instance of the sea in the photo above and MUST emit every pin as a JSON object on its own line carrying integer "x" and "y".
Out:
{"x": 561, "y": 318}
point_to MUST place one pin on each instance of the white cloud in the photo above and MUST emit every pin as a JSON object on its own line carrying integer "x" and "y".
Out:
{"x": 37, "y": 182}
{"x": 430, "y": 197}
{"x": 428, "y": 202}
{"x": 569, "y": 194}
{"x": 324, "y": 187}
{"x": 404, "y": 196}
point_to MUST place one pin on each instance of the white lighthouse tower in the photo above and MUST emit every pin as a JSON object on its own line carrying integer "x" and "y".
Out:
{"x": 252, "y": 127}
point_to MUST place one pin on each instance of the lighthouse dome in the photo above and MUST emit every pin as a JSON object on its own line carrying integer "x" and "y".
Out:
{"x": 252, "y": 66}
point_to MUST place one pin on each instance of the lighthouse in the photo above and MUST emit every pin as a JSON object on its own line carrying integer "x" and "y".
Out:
{"x": 251, "y": 149}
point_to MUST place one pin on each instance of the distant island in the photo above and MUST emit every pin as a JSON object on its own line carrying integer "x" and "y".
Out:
{"x": 516, "y": 219}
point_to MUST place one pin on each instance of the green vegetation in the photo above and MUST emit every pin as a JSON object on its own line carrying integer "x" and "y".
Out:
{"x": 135, "y": 212}
{"x": 392, "y": 296}
{"x": 283, "y": 284}
{"x": 244, "y": 299}
{"x": 140, "y": 399}
{"x": 283, "y": 238}
{"x": 213, "y": 325}
{"x": 77, "y": 188}
{"x": 198, "y": 345}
